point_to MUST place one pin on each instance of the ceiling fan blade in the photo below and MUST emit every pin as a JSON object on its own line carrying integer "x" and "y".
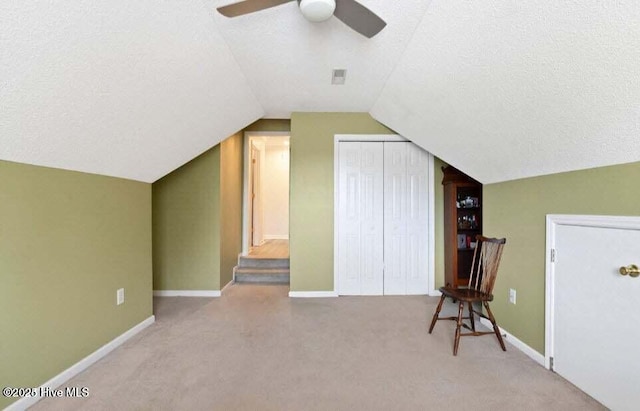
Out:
{"x": 248, "y": 6}
{"x": 358, "y": 17}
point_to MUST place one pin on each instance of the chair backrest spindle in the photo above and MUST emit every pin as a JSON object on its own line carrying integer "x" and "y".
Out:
{"x": 486, "y": 260}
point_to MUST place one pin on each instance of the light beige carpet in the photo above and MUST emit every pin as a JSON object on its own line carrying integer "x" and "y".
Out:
{"x": 256, "y": 349}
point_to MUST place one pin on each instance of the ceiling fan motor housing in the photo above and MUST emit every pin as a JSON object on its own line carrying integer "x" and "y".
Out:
{"x": 317, "y": 10}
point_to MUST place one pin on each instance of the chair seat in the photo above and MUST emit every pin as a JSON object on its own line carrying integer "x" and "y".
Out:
{"x": 465, "y": 294}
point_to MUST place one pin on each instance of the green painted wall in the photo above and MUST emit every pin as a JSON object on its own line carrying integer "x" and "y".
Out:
{"x": 311, "y": 193}
{"x": 184, "y": 206}
{"x": 270, "y": 124}
{"x": 68, "y": 241}
{"x": 197, "y": 220}
{"x": 186, "y": 226}
{"x": 517, "y": 210}
{"x": 231, "y": 163}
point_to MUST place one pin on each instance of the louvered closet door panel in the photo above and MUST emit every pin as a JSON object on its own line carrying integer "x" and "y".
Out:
{"x": 360, "y": 241}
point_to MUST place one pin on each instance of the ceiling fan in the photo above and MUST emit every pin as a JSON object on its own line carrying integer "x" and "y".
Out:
{"x": 350, "y": 12}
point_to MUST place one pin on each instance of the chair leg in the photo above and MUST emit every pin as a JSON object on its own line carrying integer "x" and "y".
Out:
{"x": 495, "y": 326}
{"x": 471, "y": 319}
{"x": 456, "y": 342}
{"x": 435, "y": 315}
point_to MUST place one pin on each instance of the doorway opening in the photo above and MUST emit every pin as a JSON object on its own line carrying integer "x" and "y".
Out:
{"x": 266, "y": 195}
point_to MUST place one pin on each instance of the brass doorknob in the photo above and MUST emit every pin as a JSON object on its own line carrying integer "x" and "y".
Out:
{"x": 632, "y": 270}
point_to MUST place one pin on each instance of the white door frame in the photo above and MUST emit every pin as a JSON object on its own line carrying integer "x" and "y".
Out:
{"x": 256, "y": 157}
{"x": 245, "y": 181}
{"x": 336, "y": 203}
{"x": 553, "y": 221}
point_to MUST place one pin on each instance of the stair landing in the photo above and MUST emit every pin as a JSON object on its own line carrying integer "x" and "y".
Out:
{"x": 271, "y": 249}
{"x": 267, "y": 264}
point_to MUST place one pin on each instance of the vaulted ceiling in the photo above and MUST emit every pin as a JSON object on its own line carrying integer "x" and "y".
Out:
{"x": 502, "y": 89}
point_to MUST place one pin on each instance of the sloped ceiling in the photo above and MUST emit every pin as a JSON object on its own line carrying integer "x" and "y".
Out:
{"x": 501, "y": 89}
{"x": 288, "y": 61}
{"x": 130, "y": 89}
{"x": 509, "y": 89}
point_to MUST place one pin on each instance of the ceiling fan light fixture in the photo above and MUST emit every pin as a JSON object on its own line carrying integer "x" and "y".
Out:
{"x": 317, "y": 10}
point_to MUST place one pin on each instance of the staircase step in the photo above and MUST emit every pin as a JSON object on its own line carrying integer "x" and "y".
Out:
{"x": 262, "y": 275}
{"x": 248, "y": 262}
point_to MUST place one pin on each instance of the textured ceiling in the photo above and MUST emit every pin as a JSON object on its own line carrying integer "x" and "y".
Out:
{"x": 510, "y": 89}
{"x": 501, "y": 89}
{"x": 129, "y": 89}
{"x": 288, "y": 60}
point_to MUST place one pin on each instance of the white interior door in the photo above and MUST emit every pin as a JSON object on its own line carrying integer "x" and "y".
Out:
{"x": 405, "y": 219}
{"x": 360, "y": 250}
{"x": 383, "y": 218}
{"x": 595, "y": 320}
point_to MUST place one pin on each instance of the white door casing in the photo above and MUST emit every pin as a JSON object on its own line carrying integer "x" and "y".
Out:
{"x": 246, "y": 183}
{"x": 361, "y": 217}
{"x": 257, "y": 154}
{"x": 593, "y": 328}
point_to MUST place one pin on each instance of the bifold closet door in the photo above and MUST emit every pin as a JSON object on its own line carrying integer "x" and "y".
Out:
{"x": 406, "y": 172}
{"x": 382, "y": 218}
{"x": 361, "y": 224}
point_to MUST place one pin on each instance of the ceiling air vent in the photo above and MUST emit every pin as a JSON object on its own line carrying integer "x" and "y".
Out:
{"x": 338, "y": 76}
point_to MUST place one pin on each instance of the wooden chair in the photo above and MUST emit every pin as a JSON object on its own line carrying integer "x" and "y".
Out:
{"x": 486, "y": 259}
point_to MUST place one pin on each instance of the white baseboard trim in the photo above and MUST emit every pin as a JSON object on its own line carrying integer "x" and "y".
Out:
{"x": 229, "y": 284}
{"x": 275, "y": 237}
{"x": 81, "y": 365}
{"x": 187, "y": 293}
{"x": 435, "y": 293}
{"x": 528, "y": 351}
{"x": 312, "y": 294}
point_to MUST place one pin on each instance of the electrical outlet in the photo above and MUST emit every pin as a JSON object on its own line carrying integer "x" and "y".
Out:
{"x": 512, "y": 296}
{"x": 120, "y": 296}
